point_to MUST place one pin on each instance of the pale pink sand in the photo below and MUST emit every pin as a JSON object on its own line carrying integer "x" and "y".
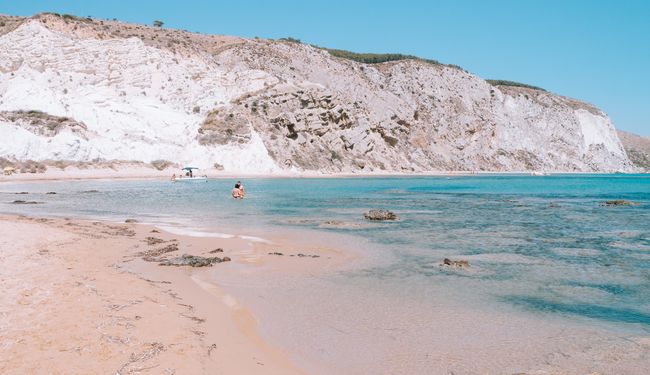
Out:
{"x": 77, "y": 299}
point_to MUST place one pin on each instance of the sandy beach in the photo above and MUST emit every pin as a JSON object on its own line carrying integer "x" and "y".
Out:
{"x": 79, "y": 298}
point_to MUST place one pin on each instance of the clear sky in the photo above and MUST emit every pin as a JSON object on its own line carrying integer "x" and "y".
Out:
{"x": 594, "y": 50}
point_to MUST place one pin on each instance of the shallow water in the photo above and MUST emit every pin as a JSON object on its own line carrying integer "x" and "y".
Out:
{"x": 543, "y": 252}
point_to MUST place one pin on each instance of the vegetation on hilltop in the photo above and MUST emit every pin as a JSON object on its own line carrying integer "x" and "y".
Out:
{"x": 501, "y": 82}
{"x": 370, "y": 58}
{"x": 374, "y": 58}
{"x": 291, "y": 40}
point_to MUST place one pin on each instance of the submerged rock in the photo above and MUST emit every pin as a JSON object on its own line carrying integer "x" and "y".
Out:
{"x": 619, "y": 202}
{"x": 50, "y": 193}
{"x": 193, "y": 261}
{"x": 25, "y": 202}
{"x": 340, "y": 224}
{"x": 380, "y": 215}
{"x": 455, "y": 263}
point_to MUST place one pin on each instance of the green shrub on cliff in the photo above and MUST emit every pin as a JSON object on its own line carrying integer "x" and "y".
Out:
{"x": 374, "y": 58}
{"x": 501, "y": 82}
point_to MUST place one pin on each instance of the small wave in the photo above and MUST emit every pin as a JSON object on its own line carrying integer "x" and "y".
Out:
{"x": 195, "y": 233}
{"x": 255, "y": 239}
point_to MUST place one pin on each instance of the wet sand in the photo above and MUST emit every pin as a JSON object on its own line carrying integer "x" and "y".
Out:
{"x": 79, "y": 298}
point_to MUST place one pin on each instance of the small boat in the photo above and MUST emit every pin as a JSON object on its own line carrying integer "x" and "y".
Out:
{"x": 188, "y": 175}
{"x": 537, "y": 173}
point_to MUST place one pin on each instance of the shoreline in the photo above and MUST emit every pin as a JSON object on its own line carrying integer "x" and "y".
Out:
{"x": 77, "y": 287}
{"x": 141, "y": 173}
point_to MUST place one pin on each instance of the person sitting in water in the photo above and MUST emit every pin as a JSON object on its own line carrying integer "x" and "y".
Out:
{"x": 174, "y": 177}
{"x": 241, "y": 189}
{"x": 236, "y": 192}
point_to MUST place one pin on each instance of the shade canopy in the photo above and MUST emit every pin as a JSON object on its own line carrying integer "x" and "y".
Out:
{"x": 189, "y": 168}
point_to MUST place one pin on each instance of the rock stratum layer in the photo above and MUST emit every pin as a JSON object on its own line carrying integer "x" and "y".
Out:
{"x": 81, "y": 89}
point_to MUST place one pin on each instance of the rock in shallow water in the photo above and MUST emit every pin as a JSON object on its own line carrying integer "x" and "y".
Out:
{"x": 619, "y": 202}
{"x": 340, "y": 224}
{"x": 193, "y": 261}
{"x": 455, "y": 263}
{"x": 25, "y": 202}
{"x": 380, "y": 215}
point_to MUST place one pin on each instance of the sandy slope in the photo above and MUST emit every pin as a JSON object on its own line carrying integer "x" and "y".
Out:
{"x": 77, "y": 299}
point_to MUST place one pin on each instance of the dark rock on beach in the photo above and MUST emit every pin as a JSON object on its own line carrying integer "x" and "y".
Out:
{"x": 276, "y": 253}
{"x": 193, "y": 261}
{"x": 619, "y": 202}
{"x": 455, "y": 263}
{"x": 154, "y": 240}
{"x": 380, "y": 215}
{"x": 153, "y": 255}
{"x": 130, "y": 221}
{"x": 219, "y": 250}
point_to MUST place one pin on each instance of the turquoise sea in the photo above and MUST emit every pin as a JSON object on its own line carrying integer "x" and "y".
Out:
{"x": 541, "y": 249}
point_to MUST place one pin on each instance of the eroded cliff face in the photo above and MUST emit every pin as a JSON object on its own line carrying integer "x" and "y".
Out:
{"x": 266, "y": 106}
{"x": 637, "y": 148}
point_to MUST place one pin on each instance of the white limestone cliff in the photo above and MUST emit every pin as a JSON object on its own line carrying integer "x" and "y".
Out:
{"x": 260, "y": 106}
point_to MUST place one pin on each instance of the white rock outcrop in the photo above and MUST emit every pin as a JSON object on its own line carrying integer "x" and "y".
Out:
{"x": 262, "y": 106}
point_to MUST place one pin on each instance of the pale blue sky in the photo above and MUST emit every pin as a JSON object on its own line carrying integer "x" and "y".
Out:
{"x": 597, "y": 51}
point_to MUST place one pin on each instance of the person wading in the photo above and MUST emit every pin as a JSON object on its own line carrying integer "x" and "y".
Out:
{"x": 238, "y": 191}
